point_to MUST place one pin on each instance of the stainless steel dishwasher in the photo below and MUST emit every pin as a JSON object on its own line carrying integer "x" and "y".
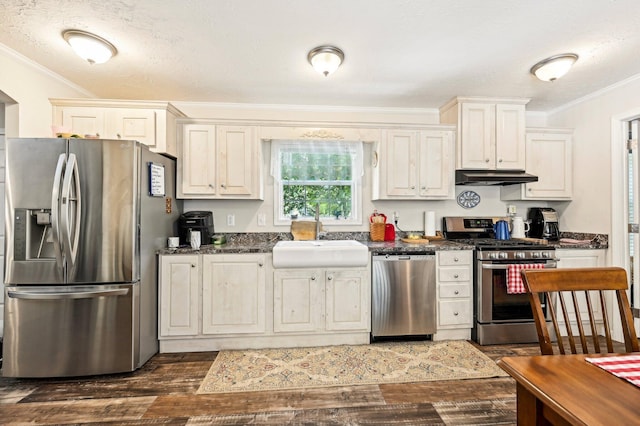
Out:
{"x": 403, "y": 300}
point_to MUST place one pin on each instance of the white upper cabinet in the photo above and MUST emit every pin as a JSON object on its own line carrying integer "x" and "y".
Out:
{"x": 151, "y": 123}
{"x": 549, "y": 156}
{"x": 218, "y": 161}
{"x": 491, "y": 132}
{"x": 414, "y": 164}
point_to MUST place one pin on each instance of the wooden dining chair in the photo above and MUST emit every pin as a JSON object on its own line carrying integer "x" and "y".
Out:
{"x": 558, "y": 285}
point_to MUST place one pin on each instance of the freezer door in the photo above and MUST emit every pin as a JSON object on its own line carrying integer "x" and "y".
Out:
{"x": 32, "y": 250}
{"x": 70, "y": 331}
{"x": 107, "y": 249}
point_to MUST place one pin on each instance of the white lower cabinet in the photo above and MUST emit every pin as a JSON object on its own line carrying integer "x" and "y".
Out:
{"x": 233, "y": 294}
{"x": 577, "y": 258}
{"x": 454, "y": 279}
{"x": 179, "y": 295}
{"x": 321, "y": 300}
{"x": 210, "y": 302}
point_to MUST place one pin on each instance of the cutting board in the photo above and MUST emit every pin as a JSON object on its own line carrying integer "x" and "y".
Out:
{"x": 303, "y": 229}
{"x": 416, "y": 241}
{"x": 533, "y": 240}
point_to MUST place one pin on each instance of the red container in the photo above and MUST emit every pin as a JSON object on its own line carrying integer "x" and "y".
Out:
{"x": 389, "y": 232}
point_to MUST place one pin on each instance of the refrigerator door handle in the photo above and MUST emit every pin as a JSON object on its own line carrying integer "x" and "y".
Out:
{"x": 70, "y": 213}
{"x": 55, "y": 209}
{"x": 34, "y": 295}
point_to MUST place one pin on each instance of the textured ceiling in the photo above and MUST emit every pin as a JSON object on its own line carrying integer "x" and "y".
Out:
{"x": 399, "y": 54}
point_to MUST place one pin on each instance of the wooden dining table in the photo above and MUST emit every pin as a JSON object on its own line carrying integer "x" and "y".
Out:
{"x": 568, "y": 390}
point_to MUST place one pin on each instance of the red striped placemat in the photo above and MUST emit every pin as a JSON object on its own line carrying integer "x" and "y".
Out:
{"x": 626, "y": 367}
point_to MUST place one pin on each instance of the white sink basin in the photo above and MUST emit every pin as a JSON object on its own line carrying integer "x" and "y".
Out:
{"x": 320, "y": 253}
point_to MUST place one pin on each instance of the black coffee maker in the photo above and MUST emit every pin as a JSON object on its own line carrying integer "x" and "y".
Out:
{"x": 544, "y": 223}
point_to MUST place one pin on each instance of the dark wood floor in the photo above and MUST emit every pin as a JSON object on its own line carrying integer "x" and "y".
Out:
{"x": 163, "y": 391}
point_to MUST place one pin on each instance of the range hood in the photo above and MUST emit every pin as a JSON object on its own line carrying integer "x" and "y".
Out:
{"x": 493, "y": 177}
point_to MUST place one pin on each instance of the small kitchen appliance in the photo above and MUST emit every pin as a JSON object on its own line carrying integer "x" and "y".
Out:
{"x": 519, "y": 227}
{"x": 544, "y": 223}
{"x": 501, "y": 229}
{"x": 499, "y": 316}
{"x": 201, "y": 221}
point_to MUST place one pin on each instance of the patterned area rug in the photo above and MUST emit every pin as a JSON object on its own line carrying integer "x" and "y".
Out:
{"x": 397, "y": 362}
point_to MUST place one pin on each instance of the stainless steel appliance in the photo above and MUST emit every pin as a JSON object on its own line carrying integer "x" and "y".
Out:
{"x": 499, "y": 317}
{"x": 84, "y": 220}
{"x": 544, "y": 223}
{"x": 403, "y": 300}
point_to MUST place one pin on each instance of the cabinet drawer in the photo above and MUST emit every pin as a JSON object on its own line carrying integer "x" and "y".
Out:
{"x": 455, "y": 291}
{"x": 454, "y": 257}
{"x": 454, "y": 312}
{"x": 454, "y": 274}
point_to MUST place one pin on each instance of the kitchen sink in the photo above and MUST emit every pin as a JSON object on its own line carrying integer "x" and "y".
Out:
{"x": 320, "y": 253}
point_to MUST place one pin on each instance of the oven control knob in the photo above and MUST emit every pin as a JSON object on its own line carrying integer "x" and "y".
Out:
{"x": 493, "y": 255}
{"x": 503, "y": 255}
{"x": 536, "y": 255}
{"x": 520, "y": 255}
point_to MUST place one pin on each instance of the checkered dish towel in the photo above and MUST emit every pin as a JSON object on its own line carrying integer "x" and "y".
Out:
{"x": 514, "y": 281}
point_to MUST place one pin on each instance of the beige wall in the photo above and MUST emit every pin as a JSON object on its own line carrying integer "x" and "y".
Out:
{"x": 26, "y": 88}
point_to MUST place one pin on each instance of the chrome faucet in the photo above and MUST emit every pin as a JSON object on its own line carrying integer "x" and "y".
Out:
{"x": 318, "y": 223}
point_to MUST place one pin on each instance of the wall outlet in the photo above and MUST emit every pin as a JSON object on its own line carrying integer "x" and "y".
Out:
{"x": 262, "y": 219}
{"x": 231, "y": 220}
{"x": 511, "y": 209}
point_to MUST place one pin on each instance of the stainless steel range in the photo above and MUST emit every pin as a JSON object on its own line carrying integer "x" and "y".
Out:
{"x": 499, "y": 316}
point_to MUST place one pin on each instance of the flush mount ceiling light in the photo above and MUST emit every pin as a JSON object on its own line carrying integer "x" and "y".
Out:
{"x": 89, "y": 47}
{"x": 553, "y": 68}
{"x": 325, "y": 59}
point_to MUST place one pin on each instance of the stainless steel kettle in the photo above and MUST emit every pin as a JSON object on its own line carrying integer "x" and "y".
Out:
{"x": 501, "y": 229}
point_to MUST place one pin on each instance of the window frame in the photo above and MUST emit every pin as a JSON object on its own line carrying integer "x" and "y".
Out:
{"x": 281, "y": 218}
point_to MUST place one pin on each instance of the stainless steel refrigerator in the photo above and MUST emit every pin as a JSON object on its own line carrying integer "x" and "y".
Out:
{"x": 84, "y": 219}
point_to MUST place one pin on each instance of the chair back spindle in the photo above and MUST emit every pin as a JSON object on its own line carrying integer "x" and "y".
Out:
{"x": 571, "y": 297}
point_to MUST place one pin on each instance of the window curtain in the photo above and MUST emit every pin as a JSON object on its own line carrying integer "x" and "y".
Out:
{"x": 285, "y": 155}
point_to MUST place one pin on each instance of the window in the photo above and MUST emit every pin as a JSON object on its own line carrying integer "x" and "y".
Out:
{"x": 317, "y": 174}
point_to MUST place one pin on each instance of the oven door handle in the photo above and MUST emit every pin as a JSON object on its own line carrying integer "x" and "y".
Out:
{"x": 551, "y": 265}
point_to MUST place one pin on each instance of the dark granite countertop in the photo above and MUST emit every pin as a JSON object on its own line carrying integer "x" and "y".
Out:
{"x": 242, "y": 243}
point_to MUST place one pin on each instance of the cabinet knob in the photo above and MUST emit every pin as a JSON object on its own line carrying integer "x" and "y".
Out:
{"x": 222, "y": 185}
{"x": 118, "y": 135}
{"x": 487, "y": 160}
{"x": 456, "y": 292}
{"x": 313, "y": 278}
{"x": 260, "y": 264}
{"x": 529, "y": 189}
{"x": 456, "y": 276}
{"x": 455, "y": 314}
{"x": 210, "y": 186}
{"x": 455, "y": 259}
{"x": 500, "y": 160}
{"x": 193, "y": 266}
{"x": 413, "y": 187}
{"x": 330, "y": 277}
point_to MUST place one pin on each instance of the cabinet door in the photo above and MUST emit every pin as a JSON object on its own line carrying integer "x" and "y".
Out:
{"x": 400, "y": 156}
{"x": 348, "y": 295}
{"x": 233, "y": 294}
{"x": 196, "y": 162}
{"x": 134, "y": 124}
{"x": 477, "y": 136}
{"x": 437, "y": 166}
{"x": 510, "y": 137}
{"x": 297, "y": 300}
{"x": 85, "y": 121}
{"x": 238, "y": 156}
{"x": 571, "y": 258}
{"x": 549, "y": 156}
{"x": 179, "y": 295}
